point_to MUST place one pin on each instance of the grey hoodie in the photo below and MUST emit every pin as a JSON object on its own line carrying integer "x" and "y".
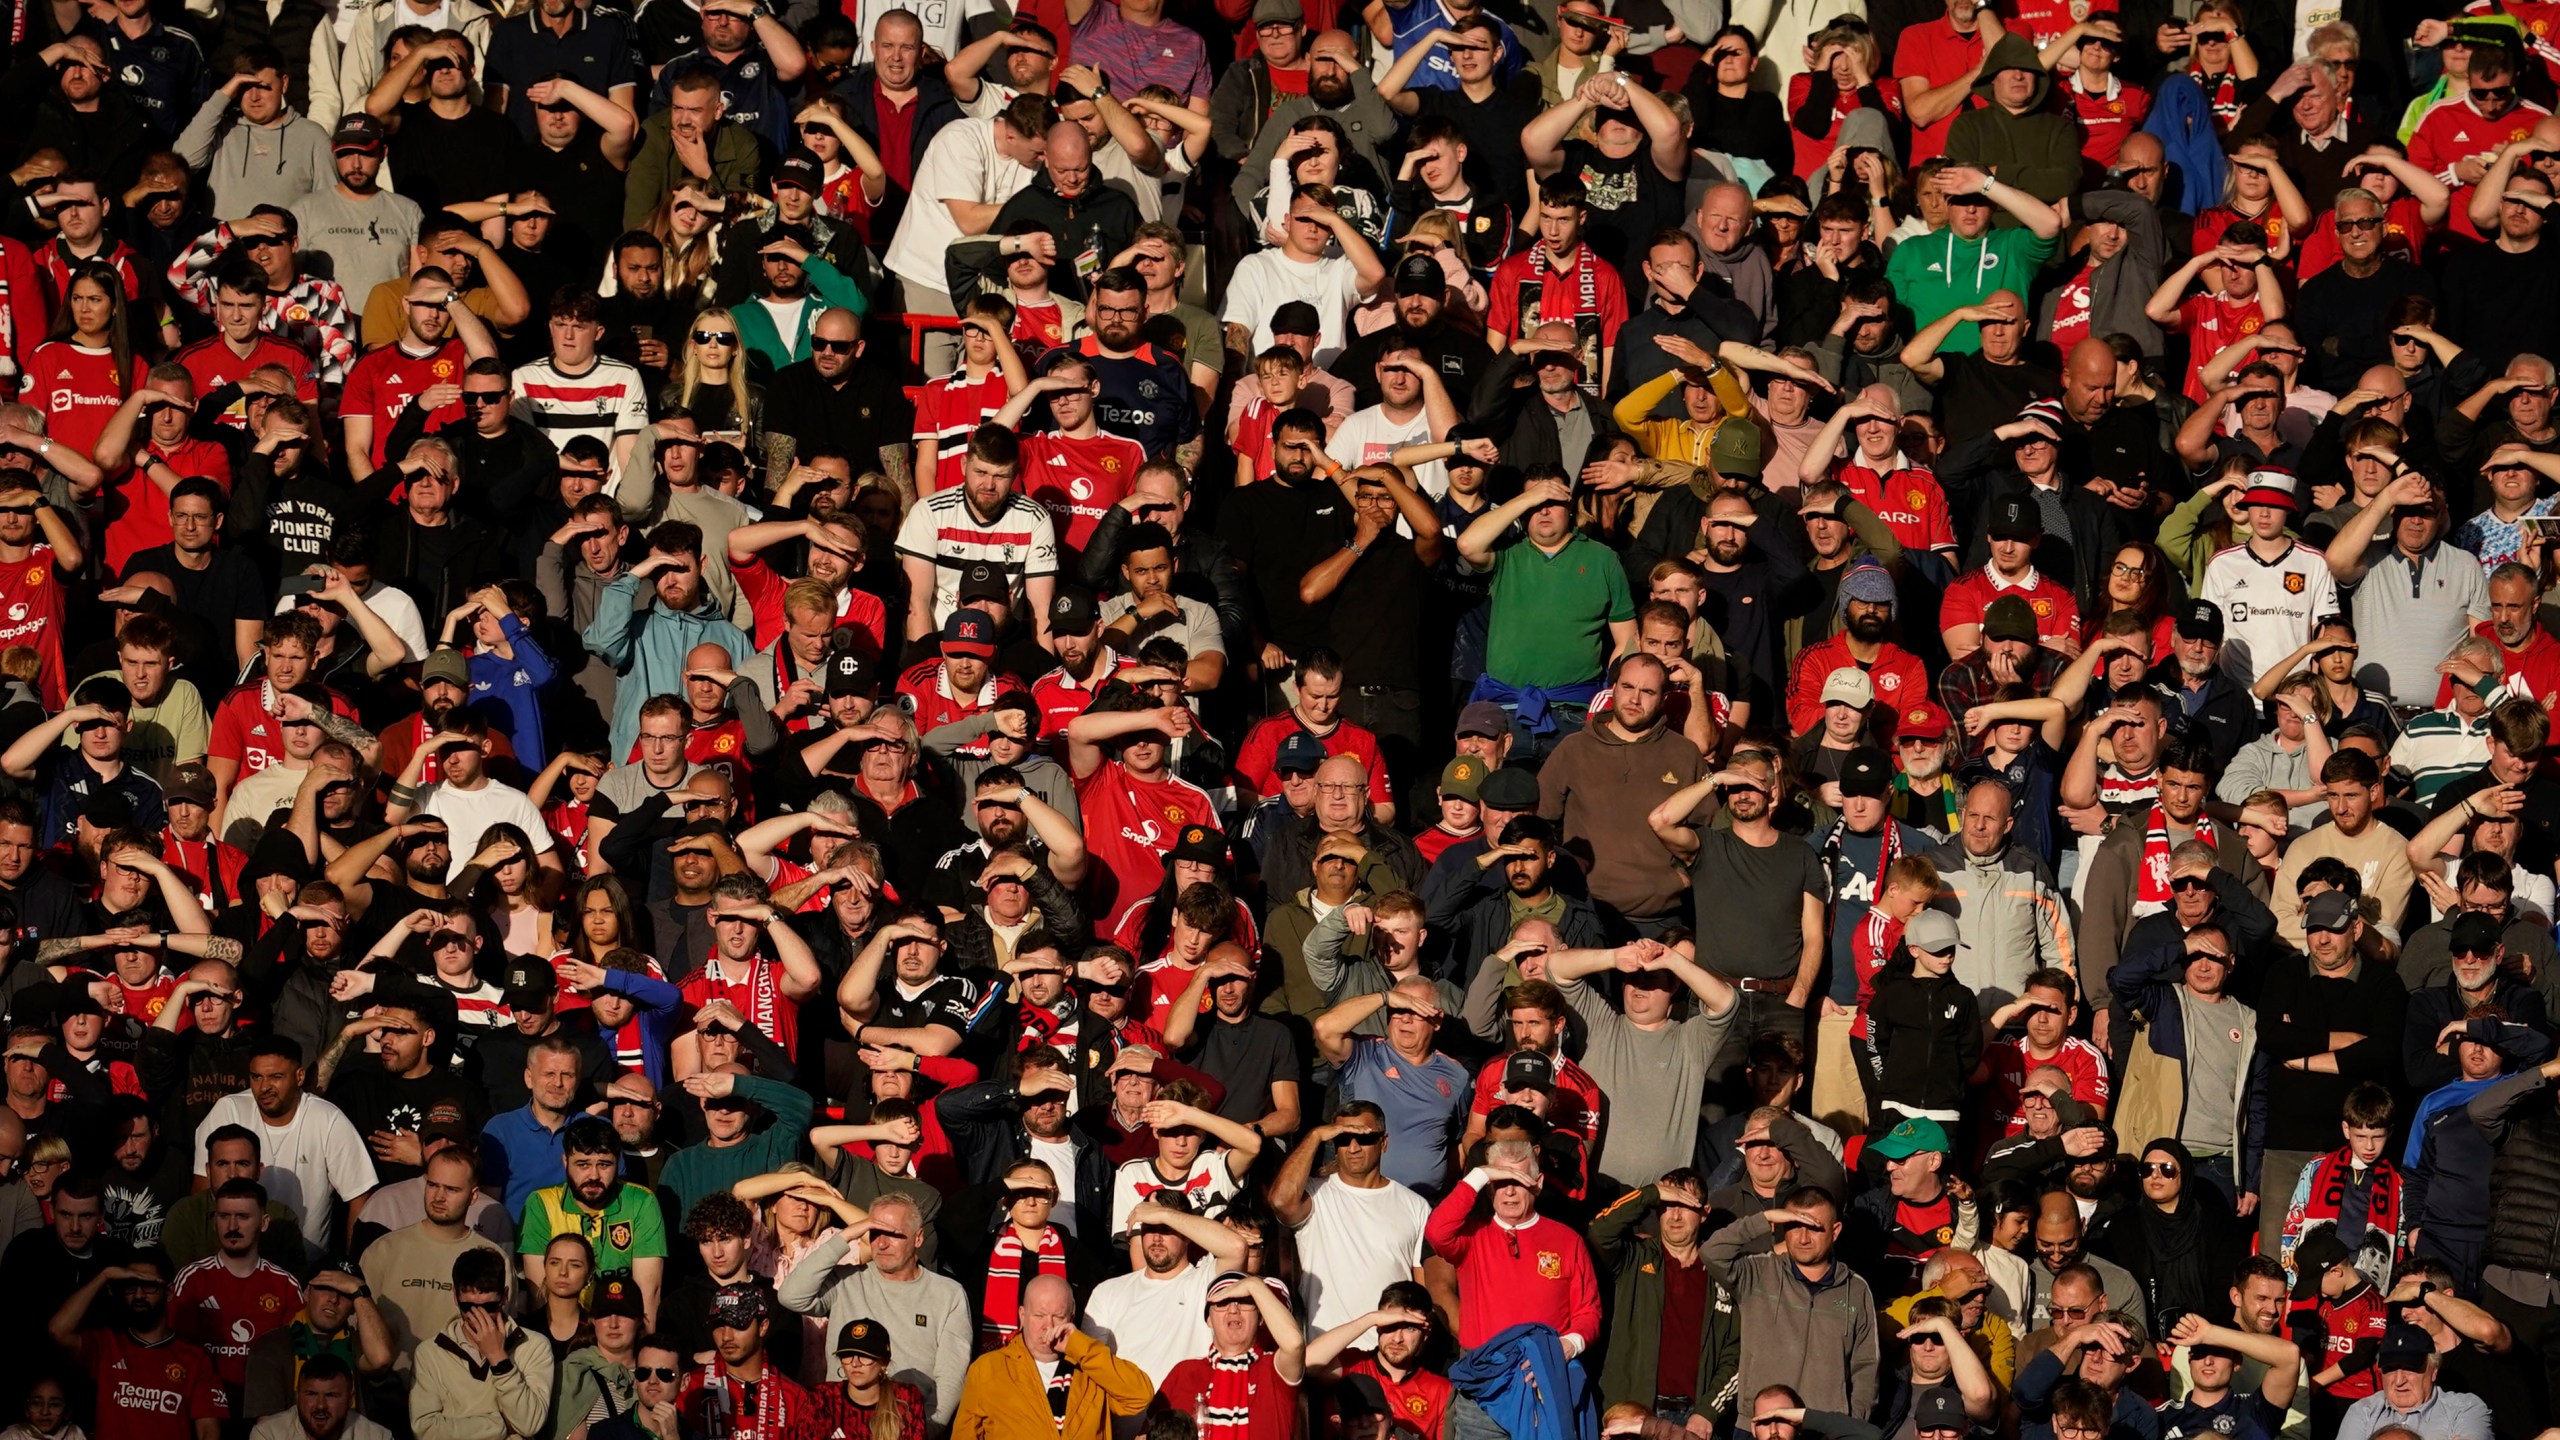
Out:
{"x": 251, "y": 165}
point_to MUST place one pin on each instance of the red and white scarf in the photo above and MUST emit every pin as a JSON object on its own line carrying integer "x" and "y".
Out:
{"x": 760, "y": 991}
{"x": 1002, "y": 1318}
{"x": 2152, "y": 886}
{"x": 1224, "y": 1406}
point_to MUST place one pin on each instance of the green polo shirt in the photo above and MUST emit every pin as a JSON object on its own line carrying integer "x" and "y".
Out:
{"x": 629, "y": 1227}
{"x": 1551, "y": 613}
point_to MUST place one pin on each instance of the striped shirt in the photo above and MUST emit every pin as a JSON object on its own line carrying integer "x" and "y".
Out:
{"x": 948, "y": 410}
{"x": 2440, "y": 747}
{"x": 311, "y": 313}
{"x": 1017, "y": 540}
{"x": 606, "y": 400}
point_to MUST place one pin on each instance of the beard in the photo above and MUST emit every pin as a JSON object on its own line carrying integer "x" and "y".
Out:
{"x": 1872, "y": 629}
{"x": 1329, "y": 92}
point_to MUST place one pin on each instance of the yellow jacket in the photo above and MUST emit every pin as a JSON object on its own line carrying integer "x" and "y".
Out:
{"x": 1005, "y": 1398}
{"x": 1682, "y": 439}
{"x": 1995, "y": 1344}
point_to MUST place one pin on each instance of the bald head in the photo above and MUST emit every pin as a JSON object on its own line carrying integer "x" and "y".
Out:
{"x": 2089, "y": 380}
{"x": 1070, "y": 158}
{"x": 1337, "y": 44}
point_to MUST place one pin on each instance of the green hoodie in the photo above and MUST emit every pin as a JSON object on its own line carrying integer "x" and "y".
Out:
{"x": 2038, "y": 152}
{"x": 1940, "y": 271}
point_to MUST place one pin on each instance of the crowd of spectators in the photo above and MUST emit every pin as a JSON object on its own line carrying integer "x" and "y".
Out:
{"x": 756, "y": 720}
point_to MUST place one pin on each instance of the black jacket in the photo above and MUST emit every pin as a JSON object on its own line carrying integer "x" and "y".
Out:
{"x": 1204, "y": 569}
{"x": 1927, "y": 1036}
{"x": 934, "y": 107}
{"x": 984, "y": 1122}
{"x": 1531, "y": 439}
{"x": 1978, "y": 475}
{"x": 2518, "y": 1119}
{"x": 2297, "y": 1013}
{"x": 1102, "y": 220}
{"x": 1289, "y": 863}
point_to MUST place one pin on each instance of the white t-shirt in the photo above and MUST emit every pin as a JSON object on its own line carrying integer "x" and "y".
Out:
{"x": 942, "y": 22}
{"x": 311, "y": 1158}
{"x": 1355, "y": 1244}
{"x": 1153, "y": 1324}
{"x": 1060, "y": 1157}
{"x": 2267, "y": 609}
{"x": 962, "y": 163}
{"x": 468, "y": 814}
{"x": 1370, "y": 436}
{"x": 1268, "y": 279}
{"x": 1208, "y": 1185}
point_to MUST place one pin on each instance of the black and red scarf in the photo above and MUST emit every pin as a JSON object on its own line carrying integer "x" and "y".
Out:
{"x": 1010, "y": 1268}
{"x": 1585, "y": 319}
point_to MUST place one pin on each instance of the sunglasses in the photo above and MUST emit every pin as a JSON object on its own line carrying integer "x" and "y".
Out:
{"x": 2499, "y": 94}
{"x": 715, "y": 337}
{"x": 2162, "y": 1169}
{"x": 2189, "y": 884}
{"x": 832, "y": 347}
{"x": 1926, "y": 1338}
{"x": 2357, "y": 226}
{"x": 1360, "y": 1138}
{"x": 483, "y": 397}
{"x": 667, "y": 1373}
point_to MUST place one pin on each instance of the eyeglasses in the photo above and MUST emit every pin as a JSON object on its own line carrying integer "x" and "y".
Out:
{"x": 2074, "y": 1312}
{"x": 2161, "y": 1169}
{"x": 2131, "y": 572}
{"x": 715, "y": 337}
{"x": 1339, "y": 787}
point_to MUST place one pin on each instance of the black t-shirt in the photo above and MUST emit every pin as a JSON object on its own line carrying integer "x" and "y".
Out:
{"x": 1756, "y": 896}
{"x": 1246, "y": 1056}
{"x": 376, "y": 1100}
{"x": 1976, "y": 395}
{"x": 1377, "y": 610}
{"x": 1459, "y": 359}
{"x": 439, "y": 162}
{"x": 1492, "y": 129}
{"x": 1280, "y": 532}
{"x": 228, "y": 589}
{"x": 1629, "y": 200}
{"x": 585, "y": 191}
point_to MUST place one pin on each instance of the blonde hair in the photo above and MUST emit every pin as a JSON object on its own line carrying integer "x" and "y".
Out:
{"x": 741, "y": 405}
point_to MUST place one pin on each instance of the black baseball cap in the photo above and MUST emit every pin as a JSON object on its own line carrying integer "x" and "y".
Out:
{"x": 2200, "y": 620}
{"x": 1866, "y": 773}
{"x": 850, "y": 674}
{"x": 1421, "y": 275}
{"x": 1073, "y": 611}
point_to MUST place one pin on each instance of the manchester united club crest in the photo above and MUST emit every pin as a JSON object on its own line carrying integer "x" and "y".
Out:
{"x": 2043, "y": 608}
{"x": 1550, "y": 1264}
{"x": 619, "y": 1235}
{"x": 442, "y": 369}
{"x": 2293, "y": 583}
{"x": 724, "y": 744}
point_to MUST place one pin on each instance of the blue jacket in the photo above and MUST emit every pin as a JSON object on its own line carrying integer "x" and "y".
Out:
{"x": 507, "y": 693}
{"x": 1524, "y": 1381}
{"x": 656, "y": 1002}
{"x": 647, "y": 646}
{"x": 2184, "y": 124}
